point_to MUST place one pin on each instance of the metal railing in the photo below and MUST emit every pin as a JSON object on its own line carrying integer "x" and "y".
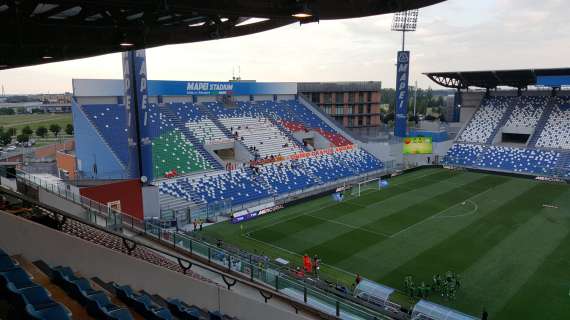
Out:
{"x": 259, "y": 270}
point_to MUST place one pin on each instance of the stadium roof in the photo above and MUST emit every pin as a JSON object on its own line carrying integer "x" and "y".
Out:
{"x": 502, "y": 78}
{"x": 42, "y": 31}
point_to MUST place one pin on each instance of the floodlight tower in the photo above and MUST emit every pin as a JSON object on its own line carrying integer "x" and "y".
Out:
{"x": 405, "y": 21}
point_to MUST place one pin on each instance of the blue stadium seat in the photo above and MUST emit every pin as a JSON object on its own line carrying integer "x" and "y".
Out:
{"x": 182, "y": 310}
{"x": 53, "y": 312}
{"x": 99, "y": 306}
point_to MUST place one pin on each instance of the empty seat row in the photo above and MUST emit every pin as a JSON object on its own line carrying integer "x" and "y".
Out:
{"x": 30, "y": 299}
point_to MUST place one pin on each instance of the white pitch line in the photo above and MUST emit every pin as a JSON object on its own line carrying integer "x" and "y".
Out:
{"x": 294, "y": 215}
{"x": 437, "y": 214}
{"x": 296, "y": 254}
{"x": 475, "y": 209}
{"x": 351, "y": 226}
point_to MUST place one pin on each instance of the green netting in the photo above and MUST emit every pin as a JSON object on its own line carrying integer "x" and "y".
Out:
{"x": 172, "y": 151}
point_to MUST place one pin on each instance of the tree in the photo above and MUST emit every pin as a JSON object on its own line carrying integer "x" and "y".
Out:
{"x": 5, "y": 139}
{"x": 389, "y": 117}
{"x": 22, "y": 138}
{"x": 55, "y": 129}
{"x": 12, "y": 131}
{"x": 41, "y": 132}
{"x": 27, "y": 131}
{"x": 69, "y": 129}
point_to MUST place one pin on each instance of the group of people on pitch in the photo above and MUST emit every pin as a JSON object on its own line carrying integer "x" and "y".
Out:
{"x": 446, "y": 285}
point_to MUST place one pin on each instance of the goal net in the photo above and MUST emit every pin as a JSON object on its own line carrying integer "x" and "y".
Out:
{"x": 366, "y": 187}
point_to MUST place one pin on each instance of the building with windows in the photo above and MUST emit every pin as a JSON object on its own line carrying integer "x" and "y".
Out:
{"x": 353, "y": 104}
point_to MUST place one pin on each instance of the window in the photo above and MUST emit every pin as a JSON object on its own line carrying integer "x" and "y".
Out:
{"x": 339, "y": 110}
{"x": 351, "y": 97}
{"x": 351, "y": 122}
{"x": 328, "y": 110}
{"x": 349, "y": 111}
{"x": 361, "y": 96}
{"x": 360, "y": 121}
{"x": 316, "y": 97}
{"x": 367, "y": 121}
{"x": 369, "y": 96}
{"x": 361, "y": 109}
{"x": 339, "y": 98}
{"x": 328, "y": 98}
{"x": 369, "y": 108}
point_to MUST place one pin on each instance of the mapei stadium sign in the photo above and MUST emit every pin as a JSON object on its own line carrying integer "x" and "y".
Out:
{"x": 209, "y": 88}
{"x": 402, "y": 81}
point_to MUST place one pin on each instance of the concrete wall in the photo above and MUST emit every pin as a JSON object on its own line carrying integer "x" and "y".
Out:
{"x": 37, "y": 242}
{"x": 151, "y": 201}
{"x": 57, "y": 202}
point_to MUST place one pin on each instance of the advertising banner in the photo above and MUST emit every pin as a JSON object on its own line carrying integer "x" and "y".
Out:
{"x": 136, "y": 104}
{"x": 418, "y": 145}
{"x": 402, "y": 80}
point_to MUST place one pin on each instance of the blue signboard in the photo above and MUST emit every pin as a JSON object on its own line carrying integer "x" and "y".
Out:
{"x": 553, "y": 81}
{"x": 202, "y": 88}
{"x": 112, "y": 88}
{"x": 402, "y": 80}
{"x": 137, "y": 107}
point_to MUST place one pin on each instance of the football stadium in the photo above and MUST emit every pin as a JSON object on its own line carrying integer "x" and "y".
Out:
{"x": 190, "y": 199}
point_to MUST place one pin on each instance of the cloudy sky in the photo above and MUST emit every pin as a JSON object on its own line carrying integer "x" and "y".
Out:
{"x": 454, "y": 35}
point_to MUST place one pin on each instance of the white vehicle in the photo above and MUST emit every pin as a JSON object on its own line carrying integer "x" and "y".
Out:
{"x": 11, "y": 148}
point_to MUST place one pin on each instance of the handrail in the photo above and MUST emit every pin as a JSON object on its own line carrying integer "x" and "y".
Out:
{"x": 266, "y": 273}
{"x": 224, "y": 274}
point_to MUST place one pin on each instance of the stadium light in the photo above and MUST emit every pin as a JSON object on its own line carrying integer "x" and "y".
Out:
{"x": 47, "y": 57}
{"x": 126, "y": 44}
{"x": 405, "y": 21}
{"x": 302, "y": 11}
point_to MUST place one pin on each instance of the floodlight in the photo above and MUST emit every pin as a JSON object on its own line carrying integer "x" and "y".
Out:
{"x": 405, "y": 21}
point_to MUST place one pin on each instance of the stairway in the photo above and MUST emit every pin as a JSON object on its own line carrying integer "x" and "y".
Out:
{"x": 220, "y": 125}
{"x": 541, "y": 124}
{"x": 501, "y": 123}
{"x": 169, "y": 114}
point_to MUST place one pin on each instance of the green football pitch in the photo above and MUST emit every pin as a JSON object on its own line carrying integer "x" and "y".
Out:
{"x": 508, "y": 239}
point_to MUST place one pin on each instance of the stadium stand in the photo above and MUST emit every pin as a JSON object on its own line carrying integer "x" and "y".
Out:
{"x": 540, "y": 162}
{"x": 172, "y": 151}
{"x": 274, "y": 179}
{"x": 261, "y": 136}
{"x": 109, "y": 120}
{"x": 29, "y": 299}
{"x": 555, "y": 133}
{"x": 544, "y": 155}
{"x": 486, "y": 120}
{"x": 528, "y": 112}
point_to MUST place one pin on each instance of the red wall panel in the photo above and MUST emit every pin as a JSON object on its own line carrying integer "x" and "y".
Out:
{"x": 129, "y": 192}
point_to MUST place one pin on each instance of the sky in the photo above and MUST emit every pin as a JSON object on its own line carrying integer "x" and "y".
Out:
{"x": 456, "y": 35}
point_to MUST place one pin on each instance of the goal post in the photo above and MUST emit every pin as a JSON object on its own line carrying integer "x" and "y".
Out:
{"x": 361, "y": 187}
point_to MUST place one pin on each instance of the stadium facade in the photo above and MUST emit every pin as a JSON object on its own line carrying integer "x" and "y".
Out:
{"x": 353, "y": 104}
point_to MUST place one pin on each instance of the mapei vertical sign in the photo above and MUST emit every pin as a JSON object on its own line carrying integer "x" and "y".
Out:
{"x": 402, "y": 80}
{"x": 137, "y": 112}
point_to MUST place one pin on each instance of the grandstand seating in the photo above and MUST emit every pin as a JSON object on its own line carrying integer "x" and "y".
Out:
{"x": 486, "y": 120}
{"x": 30, "y": 299}
{"x": 244, "y": 185}
{"x": 93, "y": 235}
{"x": 172, "y": 151}
{"x": 463, "y": 154}
{"x": 528, "y": 112}
{"x": 110, "y": 120}
{"x": 556, "y": 133}
{"x": 261, "y": 134}
{"x": 519, "y": 160}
